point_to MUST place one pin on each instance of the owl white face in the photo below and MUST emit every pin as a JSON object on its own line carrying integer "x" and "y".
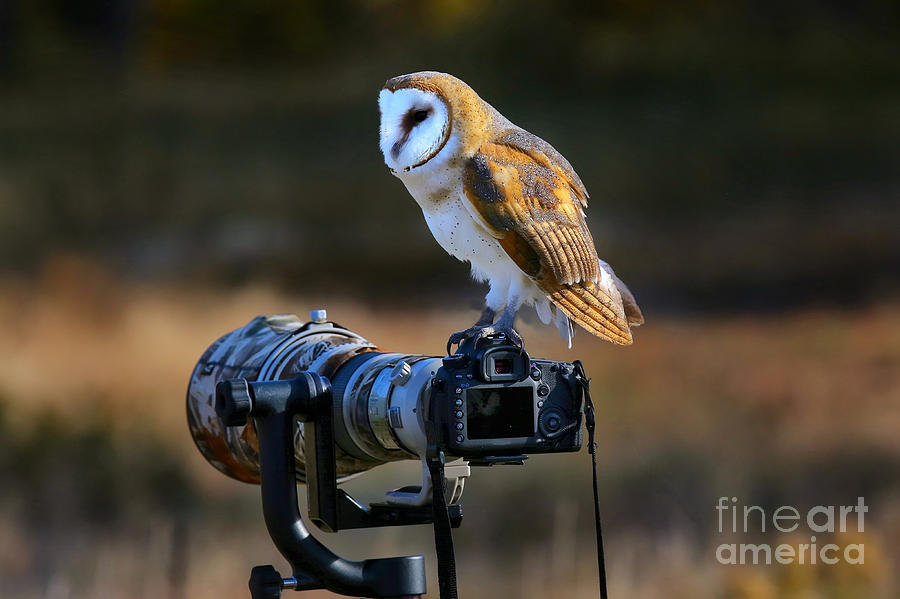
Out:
{"x": 415, "y": 126}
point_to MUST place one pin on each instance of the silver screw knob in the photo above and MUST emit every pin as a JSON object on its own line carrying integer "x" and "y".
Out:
{"x": 318, "y": 316}
{"x": 401, "y": 373}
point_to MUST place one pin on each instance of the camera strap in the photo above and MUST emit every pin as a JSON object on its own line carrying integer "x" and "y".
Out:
{"x": 443, "y": 538}
{"x": 440, "y": 514}
{"x": 590, "y": 425}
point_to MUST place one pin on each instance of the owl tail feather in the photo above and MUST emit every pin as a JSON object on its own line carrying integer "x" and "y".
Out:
{"x": 632, "y": 311}
{"x": 595, "y": 310}
{"x": 564, "y": 326}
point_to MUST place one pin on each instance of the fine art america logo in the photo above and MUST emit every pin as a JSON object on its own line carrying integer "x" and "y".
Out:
{"x": 819, "y": 520}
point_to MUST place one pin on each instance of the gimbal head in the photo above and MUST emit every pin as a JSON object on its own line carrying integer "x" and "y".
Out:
{"x": 274, "y": 406}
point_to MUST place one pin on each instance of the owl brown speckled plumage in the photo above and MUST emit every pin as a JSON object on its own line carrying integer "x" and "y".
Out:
{"x": 505, "y": 201}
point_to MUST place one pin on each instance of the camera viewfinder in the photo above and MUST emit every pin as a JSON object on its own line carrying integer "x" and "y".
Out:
{"x": 503, "y": 366}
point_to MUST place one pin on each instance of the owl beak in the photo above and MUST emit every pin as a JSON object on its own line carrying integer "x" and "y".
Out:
{"x": 398, "y": 145}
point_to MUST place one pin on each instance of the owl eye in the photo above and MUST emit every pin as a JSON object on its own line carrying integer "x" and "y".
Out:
{"x": 420, "y": 115}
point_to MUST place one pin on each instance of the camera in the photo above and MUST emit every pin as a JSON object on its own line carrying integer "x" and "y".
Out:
{"x": 279, "y": 401}
{"x": 491, "y": 400}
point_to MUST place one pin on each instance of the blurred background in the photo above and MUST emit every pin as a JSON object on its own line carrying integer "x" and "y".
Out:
{"x": 171, "y": 168}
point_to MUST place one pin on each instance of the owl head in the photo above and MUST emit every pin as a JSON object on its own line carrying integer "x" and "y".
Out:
{"x": 421, "y": 112}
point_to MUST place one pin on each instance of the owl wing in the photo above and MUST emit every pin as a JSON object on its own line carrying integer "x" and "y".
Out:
{"x": 531, "y": 200}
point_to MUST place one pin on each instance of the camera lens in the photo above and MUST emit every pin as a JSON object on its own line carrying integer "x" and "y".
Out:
{"x": 377, "y": 415}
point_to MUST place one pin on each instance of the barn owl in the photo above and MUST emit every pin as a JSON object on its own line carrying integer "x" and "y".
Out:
{"x": 507, "y": 202}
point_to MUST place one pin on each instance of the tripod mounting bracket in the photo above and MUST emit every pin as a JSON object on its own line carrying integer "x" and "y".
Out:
{"x": 274, "y": 407}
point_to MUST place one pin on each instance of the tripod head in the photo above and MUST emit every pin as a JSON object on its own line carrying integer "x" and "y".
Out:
{"x": 274, "y": 406}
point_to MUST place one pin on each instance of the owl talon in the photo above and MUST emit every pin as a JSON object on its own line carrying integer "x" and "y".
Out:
{"x": 514, "y": 338}
{"x": 478, "y": 332}
{"x": 458, "y": 337}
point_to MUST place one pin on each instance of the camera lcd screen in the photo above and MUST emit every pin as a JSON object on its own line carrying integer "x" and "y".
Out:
{"x": 500, "y": 413}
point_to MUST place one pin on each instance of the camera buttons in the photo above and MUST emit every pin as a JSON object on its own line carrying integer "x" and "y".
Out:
{"x": 460, "y": 438}
{"x": 543, "y": 390}
{"x": 458, "y": 402}
{"x": 550, "y": 423}
{"x": 540, "y": 403}
{"x": 459, "y": 426}
{"x": 458, "y": 390}
{"x": 535, "y": 373}
{"x": 459, "y": 414}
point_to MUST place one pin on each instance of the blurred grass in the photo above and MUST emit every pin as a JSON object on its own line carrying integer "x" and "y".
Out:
{"x": 739, "y": 155}
{"x": 104, "y": 494}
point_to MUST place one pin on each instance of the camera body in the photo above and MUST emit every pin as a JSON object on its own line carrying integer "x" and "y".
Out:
{"x": 490, "y": 400}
